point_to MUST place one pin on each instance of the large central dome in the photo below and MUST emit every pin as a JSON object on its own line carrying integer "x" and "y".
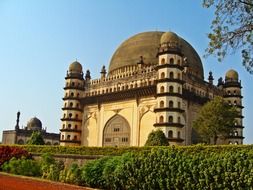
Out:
{"x": 146, "y": 44}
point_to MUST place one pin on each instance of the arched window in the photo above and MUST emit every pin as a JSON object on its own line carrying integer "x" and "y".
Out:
{"x": 179, "y": 119}
{"x": 171, "y": 61}
{"x": 171, "y": 89}
{"x": 162, "y": 75}
{"x": 161, "y": 119}
{"x": 170, "y": 119}
{"x": 163, "y": 61}
{"x": 171, "y": 75}
{"x": 68, "y": 137}
{"x": 178, "y": 135}
{"x": 70, "y": 115}
{"x": 170, "y": 134}
{"x": 161, "y": 104}
{"x": 162, "y": 89}
{"x": 171, "y": 104}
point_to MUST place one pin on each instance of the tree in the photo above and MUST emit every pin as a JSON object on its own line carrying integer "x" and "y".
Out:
{"x": 215, "y": 119}
{"x": 36, "y": 139}
{"x": 157, "y": 138}
{"x": 232, "y": 30}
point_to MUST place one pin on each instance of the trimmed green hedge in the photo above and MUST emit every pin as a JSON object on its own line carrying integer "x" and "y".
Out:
{"x": 114, "y": 151}
{"x": 159, "y": 168}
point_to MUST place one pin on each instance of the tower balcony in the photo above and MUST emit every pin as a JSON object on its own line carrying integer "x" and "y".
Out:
{"x": 72, "y": 108}
{"x": 168, "y": 124}
{"x": 170, "y": 94}
{"x": 70, "y": 130}
{"x": 71, "y": 119}
{"x": 171, "y": 80}
{"x": 169, "y": 109}
{"x": 180, "y": 67}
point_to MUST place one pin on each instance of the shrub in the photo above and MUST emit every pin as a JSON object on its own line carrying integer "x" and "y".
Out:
{"x": 71, "y": 175}
{"x": 36, "y": 139}
{"x": 22, "y": 166}
{"x": 157, "y": 138}
{"x": 50, "y": 167}
{"x": 8, "y": 152}
{"x": 92, "y": 173}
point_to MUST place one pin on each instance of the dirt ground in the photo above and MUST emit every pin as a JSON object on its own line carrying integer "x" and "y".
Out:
{"x": 11, "y": 182}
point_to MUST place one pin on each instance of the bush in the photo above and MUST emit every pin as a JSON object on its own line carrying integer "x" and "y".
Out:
{"x": 168, "y": 168}
{"x": 8, "y": 152}
{"x": 71, "y": 175}
{"x": 92, "y": 173}
{"x": 157, "y": 138}
{"x": 22, "y": 166}
{"x": 50, "y": 167}
{"x": 36, "y": 139}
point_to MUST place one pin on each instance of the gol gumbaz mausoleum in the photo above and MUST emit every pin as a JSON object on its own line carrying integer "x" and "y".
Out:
{"x": 155, "y": 80}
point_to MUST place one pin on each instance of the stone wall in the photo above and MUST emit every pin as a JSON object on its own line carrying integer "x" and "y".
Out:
{"x": 69, "y": 159}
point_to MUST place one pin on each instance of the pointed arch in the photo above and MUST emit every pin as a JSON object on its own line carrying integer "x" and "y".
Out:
{"x": 116, "y": 132}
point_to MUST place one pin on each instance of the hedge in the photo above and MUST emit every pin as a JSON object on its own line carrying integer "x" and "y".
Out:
{"x": 117, "y": 151}
{"x": 161, "y": 168}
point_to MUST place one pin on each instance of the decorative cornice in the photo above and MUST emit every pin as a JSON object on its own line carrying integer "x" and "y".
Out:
{"x": 170, "y": 66}
{"x": 71, "y": 119}
{"x": 170, "y": 80}
{"x": 170, "y": 94}
{"x": 120, "y": 95}
{"x": 167, "y": 124}
{"x": 232, "y": 96}
{"x": 73, "y": 88}
{"x": 70, "y": 130}
{"x": 168, "y": 109}
{"x": 72, "y": 108}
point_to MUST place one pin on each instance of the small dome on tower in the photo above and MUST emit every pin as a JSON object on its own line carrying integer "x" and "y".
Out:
{"x": 169, "y": 37}
{"x": 34, "y": 124}
{"x": 231, "y": 75}
{"x": 75, "y": 67}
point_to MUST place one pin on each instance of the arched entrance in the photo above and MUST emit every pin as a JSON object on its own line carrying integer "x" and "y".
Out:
{"x": 116, "y": 132}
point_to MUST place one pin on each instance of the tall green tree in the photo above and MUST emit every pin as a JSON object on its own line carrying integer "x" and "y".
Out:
{"x": 232, "y": 29}
{"x": 36, "y": 139}
{"x": 157, "y": 138}
{"x": 215, "y": 120}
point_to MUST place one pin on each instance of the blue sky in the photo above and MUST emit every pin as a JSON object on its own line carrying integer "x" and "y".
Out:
{"x": 39, "y": 39}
